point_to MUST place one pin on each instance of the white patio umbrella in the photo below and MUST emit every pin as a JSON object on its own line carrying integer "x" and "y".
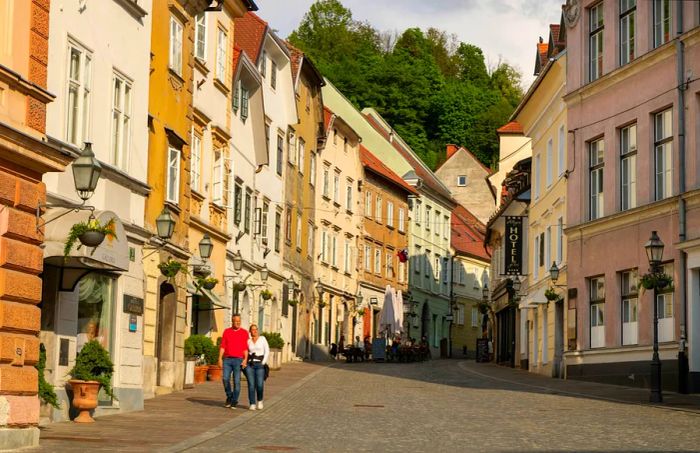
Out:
{"x": 387, "y": 317}
{"x": 398, "y": 309}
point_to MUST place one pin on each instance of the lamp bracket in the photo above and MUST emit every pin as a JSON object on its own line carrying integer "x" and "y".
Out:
{"x": 69, "y": 206}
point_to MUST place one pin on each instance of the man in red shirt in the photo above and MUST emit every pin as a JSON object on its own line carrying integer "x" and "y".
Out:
{"x": 233, "y": 356}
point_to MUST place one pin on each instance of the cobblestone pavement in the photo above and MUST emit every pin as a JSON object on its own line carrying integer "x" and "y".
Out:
{"x": 455, "y": 406}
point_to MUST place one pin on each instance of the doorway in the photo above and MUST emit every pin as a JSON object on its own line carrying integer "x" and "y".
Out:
{"x": 165, "y": 345}
{"x": 558, "y": 340}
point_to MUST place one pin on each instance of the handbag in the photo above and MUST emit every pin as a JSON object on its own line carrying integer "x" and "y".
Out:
{"x": 267, "y": 372}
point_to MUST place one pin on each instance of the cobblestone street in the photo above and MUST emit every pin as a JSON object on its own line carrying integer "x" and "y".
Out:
{"x": 456, "y": 406}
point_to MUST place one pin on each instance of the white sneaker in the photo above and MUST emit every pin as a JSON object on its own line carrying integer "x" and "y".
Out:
{"x": 260, "y": 405}
{"x": 252, "y": 407}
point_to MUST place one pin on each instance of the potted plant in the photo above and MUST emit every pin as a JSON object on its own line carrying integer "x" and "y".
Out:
{"x": 658, "y": 280}
{"x": 276, "y": 343}
{"x": 207, "y": 283}
{"x": 170, "y": 268}
{"x": 483, "y": 307}
{"x": 361, "y": 312}
{"x": 90, "y": 234}
{"x": 266, "y": 294}
{"x": 551, "y": 295}
{"x": 46, "y": 391}
{"x": 239, "y": 286}
{"x": 322, "y": 303}
{"x": 93, "y": 369}
{"x": 293, "y": 302}
{"x": 212, "y": 356}
{"x": 197, "y": 346}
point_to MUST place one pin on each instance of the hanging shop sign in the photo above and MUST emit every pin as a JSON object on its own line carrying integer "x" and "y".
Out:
{"x": 514, "y": 246}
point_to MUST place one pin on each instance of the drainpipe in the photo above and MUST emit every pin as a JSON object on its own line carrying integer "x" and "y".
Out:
{"x": 682, "y": 274}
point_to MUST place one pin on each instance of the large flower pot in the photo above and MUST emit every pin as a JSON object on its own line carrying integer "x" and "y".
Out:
{"x": 275, "y": 360}
{"x": 200, "y": 374}
{"x": 215, "y": 372}
{"x": 92, "y": 238}
{"x": 84, "y": 399}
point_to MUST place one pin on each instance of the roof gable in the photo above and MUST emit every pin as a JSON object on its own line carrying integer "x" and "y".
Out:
{"x": 371, "y": 162}
{"x": 249, "y": 33}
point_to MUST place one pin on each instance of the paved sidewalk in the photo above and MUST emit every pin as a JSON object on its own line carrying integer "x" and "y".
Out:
{"x": 169, "y": 419}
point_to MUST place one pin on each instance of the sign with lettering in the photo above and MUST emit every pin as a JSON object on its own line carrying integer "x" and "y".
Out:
{"x": 513, "y": 249}
{"x": 133, "y": 305}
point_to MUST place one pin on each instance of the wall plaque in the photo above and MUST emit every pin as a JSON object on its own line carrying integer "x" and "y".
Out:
{"x": 133, "y": 305}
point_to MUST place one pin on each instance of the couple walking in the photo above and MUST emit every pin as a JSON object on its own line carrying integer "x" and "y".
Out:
{"x": 240, "y": 351}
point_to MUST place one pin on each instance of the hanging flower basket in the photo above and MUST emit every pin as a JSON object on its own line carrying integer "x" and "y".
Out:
{"x": 551, "y": 295}
{"x": 239, "y": 286}
{"x": 483, "y": 307}
{"x": 207, "y": 283}
{"x": 170, "y": 268}
{"x": 322, "y": 304}
{"x": 361, "y": 312}
{"x": 657, "y": 280}
{"x": 266, "y": 294}
{"x": 293, "y": 302}
{"x": 90, "y": 234}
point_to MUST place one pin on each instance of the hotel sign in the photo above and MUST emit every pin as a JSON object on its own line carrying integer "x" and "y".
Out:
{"x": 513, "y": 249}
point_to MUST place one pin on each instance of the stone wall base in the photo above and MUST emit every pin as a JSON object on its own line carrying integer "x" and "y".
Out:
{"x": 13, "y": 438}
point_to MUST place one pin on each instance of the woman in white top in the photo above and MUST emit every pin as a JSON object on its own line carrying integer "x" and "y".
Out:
{"x": 258, "y": 353}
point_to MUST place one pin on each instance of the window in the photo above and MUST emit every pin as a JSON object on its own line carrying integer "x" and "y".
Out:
{"x": 462, "y": 180}
{"x": 244, "y": 103}
{"x": 402, "y": 219}
{"x": 416, "y": 260}
{"x": 550, "y": 157}
{"x": 475, "y": 317}
{"x": 263, "y": 63}
{"x": 595, "y": 42}
{"x": 561, "y": 157}
{"x": 263, "y": 221}
{"x": 273, "y": 74}
{"x": 628, "y": 167}
{"x": 96, "y": 297}
{"x": 596, "y": 151}
{"x": 628, "y": 17}
{"x": 662, "y": 22}
{"x": 663, "y": 153}
{"x": 298, "y": 231}
{"x": 121, "y": 122}
{"x": 172, "y": 189}
{"x": 267, "y": 138}
{"x": 175, "y": 51}
{"x": 437, "y": 269}
{"x": 437, "y": 221}
{"x": 236, "y": 101}
{"x": 347, "y": 257}
{"x": 217, "y": 187}
{"x": 368, "y": 204}
{"x": 78, "y": 105}
{"x": 288, "y": 225}
{"x": 378, "y": 209}
{"x": 196, "y": 161}
{"x": 390, "y": 214}
{"x": 246, "y": 214}
{"x": 312, "y": 168}
{"x": 368, "y": 258}
{"x": 547, "y": 247}
{"x": 200, "y": 36}
{"x": 291, "y": 147}
{"x": 324, "y": 246}
{"x": 348, "y": 196}
{"x": 402, "y": 272}
{"x": 389, "y": 264}
{"x": 664, "y": 307}
{"x": 336, "y": 187}
{"x": 378, "y": 261}
{"x": 334, "y": 251}
{"x": 280, "y": 153}
{"x": 326, "y": 181}
{"x": 238, "y": 204}
{"x": 541, "y": 252}
{"x": 446, "y": 227}
{"x": 628, "y": 286}
{"x": 301, "y": 150}
{"x": 427, "y": 218}
{"x": 278, "y": 230}
{"x": 535, "y": 257}
{"x": 536, "y": 177}
{"x": 417, "y": 210}
{"x": 560, "y": 240}
{"x": 597, "y": 300}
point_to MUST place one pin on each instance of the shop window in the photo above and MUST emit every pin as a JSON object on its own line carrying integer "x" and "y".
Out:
{"x": 95, "y": 308}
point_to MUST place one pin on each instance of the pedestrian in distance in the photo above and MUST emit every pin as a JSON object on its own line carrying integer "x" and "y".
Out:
{"x": 258, "y": 353}
{"x": 233, "y": 357}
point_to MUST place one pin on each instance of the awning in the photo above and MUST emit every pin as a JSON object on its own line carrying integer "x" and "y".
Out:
{"x": 533, "y": 299}
{"x": 207, "y": 300}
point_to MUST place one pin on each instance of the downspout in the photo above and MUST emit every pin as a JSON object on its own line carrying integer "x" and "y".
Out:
{"x": 682, "y": 272}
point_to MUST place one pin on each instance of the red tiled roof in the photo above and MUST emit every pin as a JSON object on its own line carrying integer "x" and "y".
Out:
{"x": 511, "y": 128}
{"x": 487, "y": 169}
{"x": 427, "y": 176}
{"x": 248, "y": 34}
{"x": 554, "y": 30}
{"x": 295, "y": 57}
{"x": 468, "y": 233}
{"x": 371, "y": 162}
{"x": 327, "y": 115}
{"x": 236, "y": 57}
{"x": 542, "y": 51}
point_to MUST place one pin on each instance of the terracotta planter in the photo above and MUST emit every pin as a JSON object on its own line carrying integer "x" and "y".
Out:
{"x": 84, "y": 399}
{"x": 91, "y": 238}
{"x": 200, "y": 374}
{"x": 215, "y": 372}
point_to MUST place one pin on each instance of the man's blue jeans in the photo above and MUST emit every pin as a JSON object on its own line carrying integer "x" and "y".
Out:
{"x": 255, "y": 374}
{"x": 232, "y": 364}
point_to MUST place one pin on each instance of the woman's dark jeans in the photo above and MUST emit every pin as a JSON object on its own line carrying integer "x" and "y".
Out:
{"x": 255, "y": 374}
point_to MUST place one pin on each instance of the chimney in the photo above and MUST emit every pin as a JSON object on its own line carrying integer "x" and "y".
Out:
{"x": 451, "y": 149}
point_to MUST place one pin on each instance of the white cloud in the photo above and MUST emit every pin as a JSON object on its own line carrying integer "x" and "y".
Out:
{"x": 503, "y": 29}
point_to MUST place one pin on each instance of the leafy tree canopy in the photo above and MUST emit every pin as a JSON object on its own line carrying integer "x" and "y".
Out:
{"x": 430, "y": 87}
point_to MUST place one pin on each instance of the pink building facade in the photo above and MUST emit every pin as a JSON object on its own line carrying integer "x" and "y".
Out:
{"x": 633, "y": 116}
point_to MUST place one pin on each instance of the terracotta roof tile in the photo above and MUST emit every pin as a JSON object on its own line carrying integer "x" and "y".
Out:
{"x": 248, "y": 34}
{"x": 542, "y": 51}
{"x": 236, "y": 57}
{"x": 468, "y": 233}
{"x": 371, "y": 162}
{"x": 511, "y": 128}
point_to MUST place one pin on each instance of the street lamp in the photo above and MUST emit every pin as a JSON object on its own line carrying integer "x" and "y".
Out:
{"x": 86, "y": 172}
{"x": 237, "y": 261}
{"x": 516, "y": 284}
{"x": 264, "y": 273}
{"x": 205, "y": 247}
{"x": 655, "y": 250}
{"x": 554, "y": 272}
{"x": 485, "y": 292}
{"x": 358, "y": 298}
{"x": 165, "y": 224}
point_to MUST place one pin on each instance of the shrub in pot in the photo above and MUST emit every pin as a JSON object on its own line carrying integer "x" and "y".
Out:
{"x": 170, "y": 268}
{"x": 90, "y": 234}
{"x": 93, "y": 369}
{"x": 207, "y": 283}
{"x": 212, "y": 357}
{"x": 266, "y": 294}
{"x": 46, "y": 391}
{"x": 197, "y": 346}
{"x": 276, "y": 343}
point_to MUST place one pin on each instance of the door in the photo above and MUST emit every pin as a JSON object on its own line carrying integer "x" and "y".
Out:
{"x": 558, "y": 339}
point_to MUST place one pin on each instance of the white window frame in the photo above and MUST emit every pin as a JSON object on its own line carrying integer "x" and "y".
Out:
{"x": 175, "y": 46}
{"x": 402, "y": 220}
{"x": 550, "y": 158}
{"x": 368, "y": 258}
{"x": 121, "y": 120}
{"x": 324, "y": 246}
{"x": 663, "y": 154}
{"x": 560, "y": 240}
{"x": 310, "y": 240}
{"x": 217, "y": 177}
{"x": 336, "y": 187}
{"x": 462, "y": 180}
{"x": 326, "y": 181}
{"x": 368, "y": 204}
{"x": 298, "y": 231}
{"x": 536, "y": 177}
{"x": 78, "y": 114}
{"x": 597, "y": 311}
{"x": 348, "y": 196}
{"x": 378, "y": 261}
{"x": 536, "y": 257}
{"x": 312, "y": 168}
{"x": 390, "y": 214}
{"x": 378, "y": 209}
{"x": 629, "y": 306}
{"x": 662, "y": 23}
{"x": 334, "y": 251}
{"x": 273, "y": 74}
{"x": 172, "y": 187}
{"x": 628, "y": 167}
{"x": 628, "y": 30}
{"x": 301, "y": 145}
{"x": 221, "y": 53}
{"x": 596, "y": 153}
{"x": 562, "y": 147}
{"x": 196, "y": 161}
{"x": 475, "y": 317}
{"x": 347, "y": 257}
{"x": 595, "y": 42}
{"x": 200, "y": 37}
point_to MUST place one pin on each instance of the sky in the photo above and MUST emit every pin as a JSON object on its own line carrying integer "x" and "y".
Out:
{"x": 505, "y": 30}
